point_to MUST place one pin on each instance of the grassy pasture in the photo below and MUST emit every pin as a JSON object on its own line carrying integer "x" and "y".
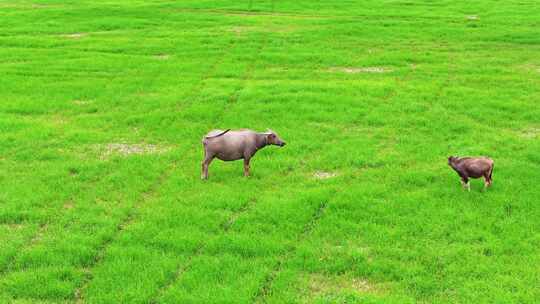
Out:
{"x": 103, "y": 105}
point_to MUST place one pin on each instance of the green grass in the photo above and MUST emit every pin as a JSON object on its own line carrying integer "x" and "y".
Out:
{"x": 103, "y": 105}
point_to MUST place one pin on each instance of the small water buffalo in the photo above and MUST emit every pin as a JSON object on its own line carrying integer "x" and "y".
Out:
{"x": 235, "y": 144}
{"x": 472, "y": 167}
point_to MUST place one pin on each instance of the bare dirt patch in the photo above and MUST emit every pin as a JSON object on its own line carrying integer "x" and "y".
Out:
{"x": 162, "y": 57}
{"x": 356, "y": 70}
{"x": 528, "y": 67}
{"x": 39, "y": 234}
{"x": 81, "y": 102}
{"x": 38, "y": 6}
{"x": 68, "y": 205}
{"x": 124, "y": 149}
{"x": 238, "y": 29}
{"x": 58, "y": 120}
{"x": 320, "y": 285}
{"x": 272, "y": 14}
{"x": 27, "y": 6}
{"x": 283, "y": 29}
{"x": 241, "y": 29}
{"x": 324, "y": 175}
{"x": 75, "y": 35}
{"x": 14, "y": 226}
{"x": 530, "y": 133}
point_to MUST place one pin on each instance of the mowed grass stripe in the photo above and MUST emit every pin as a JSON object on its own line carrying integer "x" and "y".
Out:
{"x": 217, "y": 69}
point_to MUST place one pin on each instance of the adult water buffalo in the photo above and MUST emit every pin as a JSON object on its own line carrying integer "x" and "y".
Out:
{"x": 231, "y": 145}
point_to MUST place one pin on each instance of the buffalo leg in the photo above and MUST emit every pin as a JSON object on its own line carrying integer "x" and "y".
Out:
{"x": 490, "y": 175}
{"x": 205, "y": 163}
{"x": 487, "y": 181}
{"x": 465, "y": 183}
{"x": 246, "y": 166}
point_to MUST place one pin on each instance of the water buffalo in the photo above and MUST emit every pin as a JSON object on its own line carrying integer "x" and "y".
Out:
{"x": 472, "y": 167}
{"x": 231, "y": 145}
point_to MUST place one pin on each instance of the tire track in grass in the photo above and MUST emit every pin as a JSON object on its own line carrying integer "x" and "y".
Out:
{"x": 447, "y": 83}
{"x": 248, "y": 12}
{"x": 43, "y": 228}
{"x": 150, "y": 193}
{"x": 401, "y": 81}
{"x": 246, "y": 77}
{"x": 233, "y": 98}
{"x": 128, "y": 219}
{"x": 248, "y": 74}
{"x": 198, "y": 88}
{"x": 44, "y": 234}
{"x": 225, "y": 227}
{"x": 266, "y": 286}
{"x": 450, "y": 74}
{"x": 59, "y": 212}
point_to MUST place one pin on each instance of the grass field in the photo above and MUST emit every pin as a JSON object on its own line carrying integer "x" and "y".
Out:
{"x": 103, "y": 105}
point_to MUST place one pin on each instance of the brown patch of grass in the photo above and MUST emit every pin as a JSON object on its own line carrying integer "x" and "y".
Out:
{"x": 54, "y": 120}
{"x": 162, "y": 57}
{"x": 58, "y": 120}
{"x": 283, "y": 29}
{"x": 35, "y": 5}
{"x": 27, "y": 5}
{"x": 39, "y": 234}
{"x": 240, "y": 29}
{"x": 124, "y": 149}
{"x": 356, "y": 70}
{"x": 349, "y": 248}
{"x": 69, "y": 205}
{"x": 320, "y": 285}
{"x": 81, "y": 102}
{"x": 530, "y": 133}
{"x": 13, "y": 227}
{"x": 252, "y": 13}
{"x": 75, "y": 35}
{"x": 529, "y": 67}
{"x": 324, "y": 174}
